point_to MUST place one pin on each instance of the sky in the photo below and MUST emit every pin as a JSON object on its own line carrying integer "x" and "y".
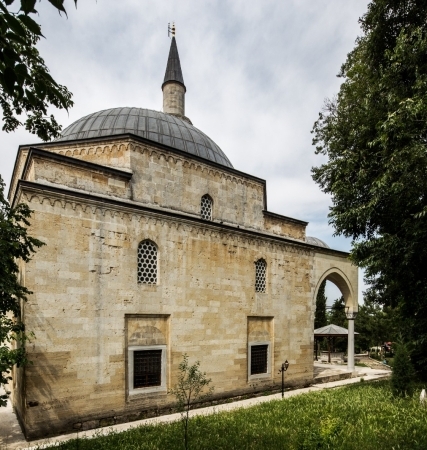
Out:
{"x": 257, "y": 75}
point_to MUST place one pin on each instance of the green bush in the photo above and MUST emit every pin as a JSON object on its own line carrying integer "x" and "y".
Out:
{"x": 403, "y": 373}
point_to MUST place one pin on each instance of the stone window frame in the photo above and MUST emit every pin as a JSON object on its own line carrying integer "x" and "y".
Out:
{"x": 206, "y": 196}
{"x": 149, "y": 389}
{"x": 142, "y": 283}
{"x": 257, "y": 290}
{"x": 259, "y": 375}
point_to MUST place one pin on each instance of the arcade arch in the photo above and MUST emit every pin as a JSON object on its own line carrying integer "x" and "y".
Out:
{"x": 342, "y": 282}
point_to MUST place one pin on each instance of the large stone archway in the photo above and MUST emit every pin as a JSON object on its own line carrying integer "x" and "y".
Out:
{"x": 345, "y": 276}
{"x": 342, "y": 282}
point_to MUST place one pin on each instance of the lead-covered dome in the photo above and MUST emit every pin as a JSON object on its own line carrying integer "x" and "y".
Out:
{"x": 316, "y": 241}
{"x": 153, "y": 125}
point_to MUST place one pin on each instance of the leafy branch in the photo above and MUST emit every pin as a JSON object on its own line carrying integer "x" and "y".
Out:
{"x": 26, "y": 86}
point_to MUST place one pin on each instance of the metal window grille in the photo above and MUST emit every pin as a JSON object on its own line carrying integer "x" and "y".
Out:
{"x": 147, "y": 368}
{"x": 206, "y": 208}
{"x": 259, "y": 356}
{"x": 147, "y": 263}
{"x": 260, "y": 275}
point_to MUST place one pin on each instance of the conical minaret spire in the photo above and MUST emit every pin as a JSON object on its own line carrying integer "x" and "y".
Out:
{"x": 173, "y": 68}
{"x": 173, "y": 86}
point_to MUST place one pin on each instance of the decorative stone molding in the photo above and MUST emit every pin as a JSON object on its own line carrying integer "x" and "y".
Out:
{"x": 95, "y": 207}
{"x": 151, "y": 151}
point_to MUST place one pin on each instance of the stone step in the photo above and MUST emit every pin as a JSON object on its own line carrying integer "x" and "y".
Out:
{"x": 335, "y": 375}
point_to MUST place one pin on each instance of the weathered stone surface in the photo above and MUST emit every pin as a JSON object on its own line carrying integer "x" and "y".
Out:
{"x": 88, "y": 308}
{"x": 174, "y": 99}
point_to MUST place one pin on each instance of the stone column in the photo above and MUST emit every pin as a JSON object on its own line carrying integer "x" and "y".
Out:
{"x": 350, "y": 351}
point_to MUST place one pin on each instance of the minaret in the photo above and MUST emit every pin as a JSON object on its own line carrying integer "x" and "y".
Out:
{"x": 173, "y": 86}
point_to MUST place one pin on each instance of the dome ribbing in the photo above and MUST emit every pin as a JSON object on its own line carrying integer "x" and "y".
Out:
{"x": 153, "y": 125}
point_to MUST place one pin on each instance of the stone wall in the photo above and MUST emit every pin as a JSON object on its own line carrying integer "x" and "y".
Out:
{"x": 166, "y": 180}
{"x": 61, "y": 174}
{"x": 85, "y": 286}
{"x": 286, "y": 227}
{"x": 88, "y": 310}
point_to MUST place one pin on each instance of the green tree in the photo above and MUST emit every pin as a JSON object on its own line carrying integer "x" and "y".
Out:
{"x": 375, "y": 325}
{"x": 26, "y": 87}
{"x": 190, "y": 390}
{"x": 320, "y": 319}
{"x": 336, "y": 316}
{"x": 374, "y": 135}
{"x": 403, "y": 372}
{"x": 15, "y": 245}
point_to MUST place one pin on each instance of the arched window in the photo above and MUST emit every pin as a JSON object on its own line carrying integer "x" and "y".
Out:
{"x": 206, "y": 207}
{"x": 260, "y": 275}
{"x": 147, "y": 262}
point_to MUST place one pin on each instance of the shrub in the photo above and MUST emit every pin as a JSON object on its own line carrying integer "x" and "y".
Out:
{"x": 189, "y": 390}
{"x": 403, "y": 372}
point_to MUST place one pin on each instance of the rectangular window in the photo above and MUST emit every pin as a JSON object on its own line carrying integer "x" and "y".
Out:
{"x": 259, "y": 359}
{"x": 147, "y": 368}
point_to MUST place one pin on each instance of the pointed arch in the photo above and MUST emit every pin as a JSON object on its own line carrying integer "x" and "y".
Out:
{"x": 341, "y": 281}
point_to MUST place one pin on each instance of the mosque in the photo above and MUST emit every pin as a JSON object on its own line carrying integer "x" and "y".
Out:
{"x": 156, "y": 246}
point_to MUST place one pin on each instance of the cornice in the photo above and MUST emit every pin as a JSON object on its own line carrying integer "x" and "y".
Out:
{"x": 45, "y": 155}
{"x": 95, "y": 203}
{"x": 199, "y": 166}
{"x": 285, "y": 218}
{"x": 139, "y": 139}
{"x": 134, "y": 143}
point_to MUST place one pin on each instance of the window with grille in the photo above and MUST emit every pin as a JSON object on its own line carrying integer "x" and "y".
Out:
{"x": 147, "y": 262}
{"x": 260, "y": 275}
{"x": 206, "y": 207}
{"x": 147, "y": 368}
{"x": 259, "y": 359}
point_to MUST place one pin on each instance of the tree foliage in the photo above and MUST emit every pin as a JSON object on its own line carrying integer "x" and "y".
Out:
{"x": 15, "y": 245}
{"x": 403, "y": 372}
{"x": 374, "y": 134}
{"x": 26, "y": 87}
{"x": 336, "y": 316}
{"x": 320, "y": 319}
{"x": 375, "y": 325}
{"x": 190, "y": 389}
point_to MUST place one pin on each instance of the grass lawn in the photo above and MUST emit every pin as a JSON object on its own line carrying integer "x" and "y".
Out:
{"x": 359, "y": 416}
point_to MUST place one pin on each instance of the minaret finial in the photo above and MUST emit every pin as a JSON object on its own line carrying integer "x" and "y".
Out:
{"x": 171, "y": 29}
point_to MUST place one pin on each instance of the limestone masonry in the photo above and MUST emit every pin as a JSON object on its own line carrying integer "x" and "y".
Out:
{"x": 155, "y": 247}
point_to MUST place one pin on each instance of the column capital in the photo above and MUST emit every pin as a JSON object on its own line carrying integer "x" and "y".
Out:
{"x": 350, "y": 314}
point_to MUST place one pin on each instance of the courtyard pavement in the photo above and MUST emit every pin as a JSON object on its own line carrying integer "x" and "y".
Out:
{"x": 11, "y": 437}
